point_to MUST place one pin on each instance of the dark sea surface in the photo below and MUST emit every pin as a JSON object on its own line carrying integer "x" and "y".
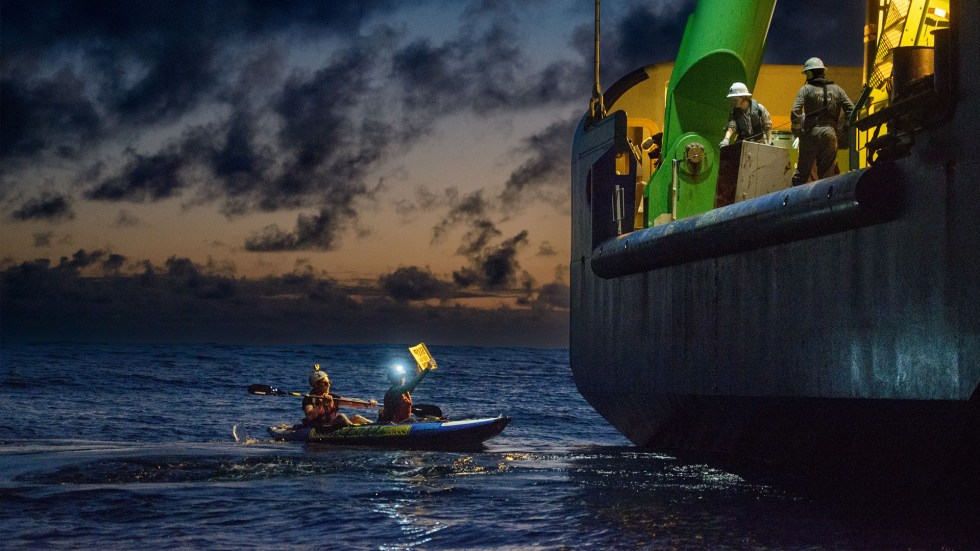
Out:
{"x": 160, "y": 447}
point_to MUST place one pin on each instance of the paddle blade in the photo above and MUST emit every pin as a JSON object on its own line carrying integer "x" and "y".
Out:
{"x": 265, "y": 390}
{"x": 422, "y": 356}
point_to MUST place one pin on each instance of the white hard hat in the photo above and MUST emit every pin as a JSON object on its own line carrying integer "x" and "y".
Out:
{"x": 318, "y": 376}
{"x": 813, "y": 63}
{"x": 739, "y": 90}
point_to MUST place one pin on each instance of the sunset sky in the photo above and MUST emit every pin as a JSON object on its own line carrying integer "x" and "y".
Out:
{"x": 383, "y": 171}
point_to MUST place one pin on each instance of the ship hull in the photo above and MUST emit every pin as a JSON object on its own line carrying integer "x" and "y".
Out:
{"x": 834, "y": 357}
{"x": 846, "y": 355}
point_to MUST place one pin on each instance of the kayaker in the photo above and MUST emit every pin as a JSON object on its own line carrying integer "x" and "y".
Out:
{"x": 398, "y": 400}
{"x": 320, "y": 409}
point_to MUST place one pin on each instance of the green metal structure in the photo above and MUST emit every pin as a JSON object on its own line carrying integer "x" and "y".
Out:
{"x": 721, "y": 45}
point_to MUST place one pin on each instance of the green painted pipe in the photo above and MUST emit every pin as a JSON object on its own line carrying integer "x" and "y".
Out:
{"x": 723, "y": 43}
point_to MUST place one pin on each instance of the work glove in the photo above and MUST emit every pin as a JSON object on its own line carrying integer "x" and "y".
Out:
{"x": 796, "y": 143}
{"x": 723, "y": 143}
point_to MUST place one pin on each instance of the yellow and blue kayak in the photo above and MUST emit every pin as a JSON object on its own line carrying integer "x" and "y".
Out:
{"x": 466, "y": 433}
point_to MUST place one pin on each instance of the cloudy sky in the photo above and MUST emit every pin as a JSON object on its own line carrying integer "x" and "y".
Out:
{"x": 334, "y": 171}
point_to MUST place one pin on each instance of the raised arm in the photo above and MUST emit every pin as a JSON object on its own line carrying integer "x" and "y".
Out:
{"x": 410, "y": 386}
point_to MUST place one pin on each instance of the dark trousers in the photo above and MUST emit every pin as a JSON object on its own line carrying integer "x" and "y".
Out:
{"x": 818, "y": 149}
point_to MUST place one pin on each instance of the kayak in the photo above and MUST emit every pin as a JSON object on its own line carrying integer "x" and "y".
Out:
{"x": 467, "y": 433}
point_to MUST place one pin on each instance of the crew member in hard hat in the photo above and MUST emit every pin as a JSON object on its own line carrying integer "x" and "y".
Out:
{"x": 749, "y": 120}
{"x": 816, "y": 119}
{"x": 398, "y": 400}
{"x": 320, "y": 408}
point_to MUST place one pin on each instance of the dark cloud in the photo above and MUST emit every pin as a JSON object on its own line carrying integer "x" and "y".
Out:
{"x": 184, "y": 276}
{"x": 320, "y": 156}
{"x": 648, "y": 33}
{"x": 46, "y": 115}
{"x": 43, "y": 239}
{"x": 238, "y": 167}
{"x": 546, "y": 173}
{"x": 126, "y": 220}
{"x": 500, "y": 265}
{"x": 554, "y": 295}
{"x": 490, "y": 267}
{"x": 174, "y": 83}
{"x": 146, "y": 178}
{"x": 413, "y": 283}
{"x": 238, "y": 159}
{"x": 424, "y": 200}
{"x": 48, "y": 206}
{"x": 80, "y": 260}
{"x": 426, "y": 75}
{"x": 221, "y": 161}
{"x": 472, "y": 207}
{"x": 543, "y": 177}
{"x": 207, "y": 83}
{"x": 182, "y": 268}
{"x": 149, "y": 66}
{"x": 481, "y": 70}
{"x": 145, "y": 29}
{"x": 329, "y": 145}
{"x": 526, "y": 285}
{"x": 113, "y": 264}
{"x": 547, "y": 249}
{"x": 313, "y": 232}
{"x": 39, "y": 301}
{"x": 261, "y": 66}
{"x": 651, "y": 30}
{"x": 477, "y": 238}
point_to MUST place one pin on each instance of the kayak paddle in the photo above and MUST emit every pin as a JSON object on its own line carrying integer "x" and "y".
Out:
{"x": 423, "y": 410}
{"x": 266, "y": 390}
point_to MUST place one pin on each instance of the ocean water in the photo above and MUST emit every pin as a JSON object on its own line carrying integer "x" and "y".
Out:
{"x": 160, "y": 447}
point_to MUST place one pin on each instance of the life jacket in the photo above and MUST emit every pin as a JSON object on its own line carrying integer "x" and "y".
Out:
{"x": 753, "y": 131}
{"x": 828, "y": 113}
{"x": 324, "y": 410}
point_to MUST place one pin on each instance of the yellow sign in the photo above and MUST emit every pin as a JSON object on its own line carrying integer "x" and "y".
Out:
{"x": 422, "y": 356}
